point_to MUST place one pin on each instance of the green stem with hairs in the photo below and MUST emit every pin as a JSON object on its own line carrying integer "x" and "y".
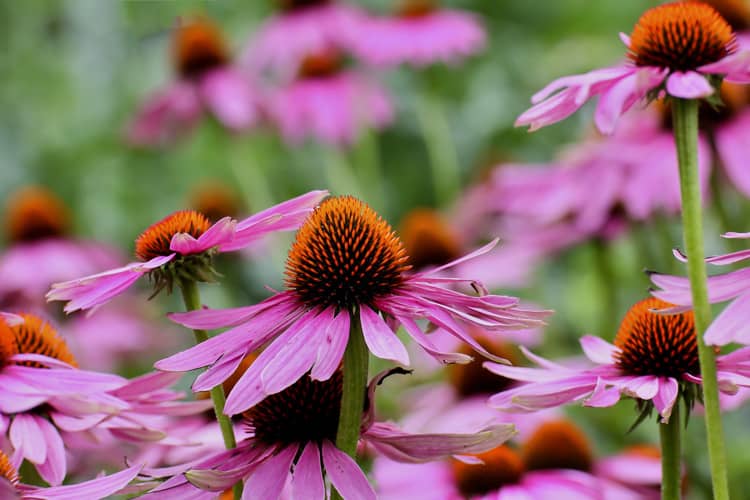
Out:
{"x": 191, "y": 297}
{"x": 685, "y": 122}
{"x": 354, "y": 388}
{"x": 671, "y": 446}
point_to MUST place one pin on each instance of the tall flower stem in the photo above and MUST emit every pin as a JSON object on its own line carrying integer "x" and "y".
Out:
{"x": 191, "y": 297}
{"x": 446, "y": 175}
{"x": 670, "y": 455}
{"x": 685, "y": 124}
{"x": 353, "y": 396}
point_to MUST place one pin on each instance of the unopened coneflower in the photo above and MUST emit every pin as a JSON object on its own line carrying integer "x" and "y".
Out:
{"x": 346, "y": 269}
{"x": 328, "y": 102}
{"x": 41, "y": 248}
{"x": 179, "y": 248}
{"x": 292, "y": 442}
{"x": 420, "y": 32}
{"x": 11, "y": 487}
{"x": 45, "y": 399}
{"x": 205, "y": 80}
{"x": 681, "y": 48}
{"x": 299, "y": 28}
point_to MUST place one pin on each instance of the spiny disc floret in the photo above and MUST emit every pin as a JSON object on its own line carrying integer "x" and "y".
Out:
{"x": 7, "y": 471}
{"x": 345, "y": 255}
{"x": 155, "y": 240}
{"x": 657, "y": 344}
{"x": 37, "y": 336}
{"x": 681, "y": 36}
{"x": 307, "y": 411}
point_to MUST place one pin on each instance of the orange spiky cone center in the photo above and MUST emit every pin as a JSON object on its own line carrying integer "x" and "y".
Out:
{"x": 155, "y": 240}
{"x": 37, "y": 336}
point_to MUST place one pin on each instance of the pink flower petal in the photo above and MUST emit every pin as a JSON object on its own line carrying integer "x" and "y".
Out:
{"x": 307, "y": 481}
{"x": 54, "y": 468}
{"x": 267, "y": 480}
{"x": 345, "y": 474}
{"x": 229, "y": 95}
{"x": 665, "y": 399}
{"x": 688, "y": 85}
{"x": 332, "y": 347}
{"x": 732, "y": 324}
{"x": 97, "y": 488}
{"x": 27, "y": 438}
{"x": 598, "y": 350}
{"x": 380, "y": 339}
{"x": 218, "y": 234}
{"x": 166, "y": 116}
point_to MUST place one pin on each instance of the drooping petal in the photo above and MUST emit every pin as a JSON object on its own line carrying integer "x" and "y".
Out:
{"x": 732, "y": 324}
{"x": 267, "y": 480}
{"x": 230, "y": 97}
{"x": 307, "y": 481}
{"x": 380, "y": 339}
{"x": 345, "y": 474}
{"x": 27, "y": 438}
{"x": 54, "y": 467}
{"x": 218, "y": 234}
{"x": 688, "y": 85}
{"x": 101, "y": 487}
{"x": 665, "y": 399}
{"x": 598, "y": 350}
{"x": 332, "y": 347}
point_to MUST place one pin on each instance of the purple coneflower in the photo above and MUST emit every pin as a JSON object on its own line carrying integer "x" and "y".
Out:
{"x": 206, "y": 79}
{"x": 181, "y": 246}
{"x": 328, "y": 103}
{"x": 11, "y": 487}
{"x": 420, "y": 33}
{"x": 293, "y": 433}
{"x": 301, "y": 28}
{"x": 44, "y": 397}
{"x": 345, "y": 267}
{"x": 682, "y": 49}
{"x": 654, "y": 359}
{"x": 41, "y": 251}
{"x": 555, "y": 461}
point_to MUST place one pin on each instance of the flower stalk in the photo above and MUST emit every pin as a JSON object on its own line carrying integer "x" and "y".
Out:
{"x": 353, "y": 396}
{"x": 191, "y": 297}
{"x": 685, "y": 125}
{"x": 671, "y": 447}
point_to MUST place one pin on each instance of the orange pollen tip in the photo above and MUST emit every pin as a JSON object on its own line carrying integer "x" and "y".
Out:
{"x": 657, "y": 344}
{"x": 416, "y": 8}
{"x": 198, "y": 46}
{"x": 345, "y": 255}
{"x": 502, "y": 466}
{"x": 320, "y": 65}
{"x": 36, "y": 336}
{"x": 428, "y": 239}
{"x": 35, "y": 213}
{"x": 7, "y": 471}
{"x": 681, "y": 36}
{"x": 155, "y": 240}
{"x": 557, "y": 444}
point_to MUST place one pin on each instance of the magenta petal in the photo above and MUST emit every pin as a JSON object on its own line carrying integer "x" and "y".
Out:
{"x": 166, "y": 115}
{"x": 27, "y": 438}
{"x": 732, "y": 324}
{"x": 218, "y": 373}
{"x": 332, "y": 347}
{"x": 733, "y": 145}
{"x": 412, "y": 328}
{"x": 267, "y": 480}
{"x": 307, "y": 481}
{"x": 598, "y": 350}
{"x": 54, "y": 468}
{"x": 218, "y": 234}
{"x": 345, "y": 474}
{"x": 603, "y": 397}
{"x": 380, "y": 339}
{"x": 688, "y": 85}
{"x": 665, "y": 399}
{"x": 101, "y": 487}
{"x": 230, "y": 97}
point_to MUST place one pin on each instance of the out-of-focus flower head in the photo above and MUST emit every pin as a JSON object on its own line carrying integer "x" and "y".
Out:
{"x": 205, "y": 80}
{"x": 346, "y": 265}
{"x": 420, "y": 33}
{"x": 41, "y": 251}
{"x": 654, "y": 360}
{"x": 293, "y": 432}
{"x": 680, "y": 49}
{"x": 328, "y": 102}
{"x": 216, "y": 200}
{"x": 181, "y": 246}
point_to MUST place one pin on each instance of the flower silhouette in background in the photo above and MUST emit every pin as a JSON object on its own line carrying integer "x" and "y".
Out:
{"x": 206, "y": 80}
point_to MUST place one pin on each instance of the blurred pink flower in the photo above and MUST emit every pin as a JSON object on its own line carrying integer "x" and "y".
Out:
{"x": 303, "y": 27}
{"x": 345, "y": 261}
{"x": 289, "y": 440}
{"x": 43, "y": 396}
{"x": 206, "y": 80}
{"x": 659, "y": 65}
{"x": 328, "y": 103}
{"x": 184, "y": 240}
{"x": 420, "y": 33}
{"x": 654, "y": 360}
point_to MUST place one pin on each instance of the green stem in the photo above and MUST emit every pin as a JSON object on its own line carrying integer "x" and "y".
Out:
{"x": 685, "y": 122}
{"x": 191, "y": 297}
{"x": 354, "y": 388}
{"x": 670, "y": 455}
{"x": 446, "y": 175}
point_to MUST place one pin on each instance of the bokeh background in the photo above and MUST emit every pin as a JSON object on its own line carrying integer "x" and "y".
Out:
{"x": 75, "y": 71}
